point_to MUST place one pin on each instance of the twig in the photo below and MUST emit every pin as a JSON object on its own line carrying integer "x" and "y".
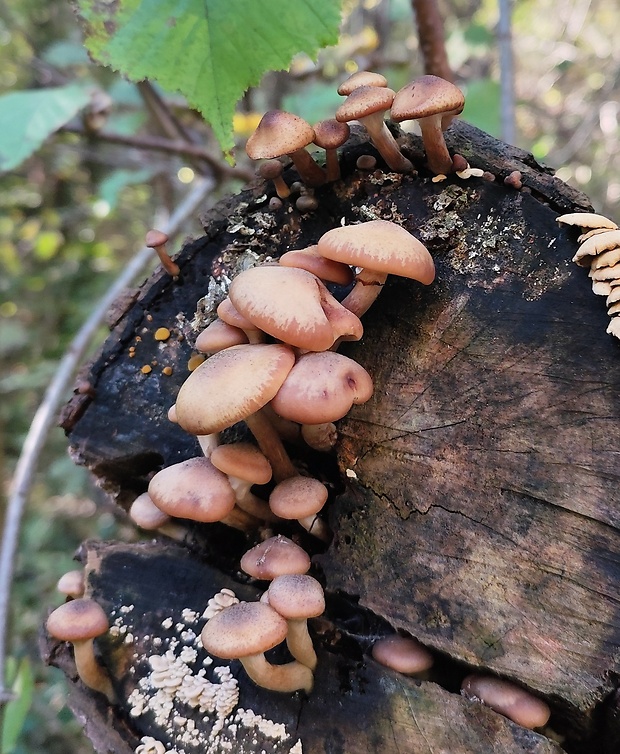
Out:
{"x": 45, "y": 415}
{"x": 431, "y": 35}
{"x": 506, "y": 72}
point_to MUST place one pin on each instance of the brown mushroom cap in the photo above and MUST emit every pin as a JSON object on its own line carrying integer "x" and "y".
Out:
{"x": 321, "y": 388}
{"x": 404, "y": 654}
{"x": 219, "y": 335}
{"x": 243, "y": 629}
{"x": 77, "y": 620}
{"x": 155, "y": 238}
{"x": 427, "y": 96}
{"x": 382, "y": 246}
{"x": 508, "y": 699}
{"x": 298, "y": 497}
{"x": 330, "y": 133}
{"x": 274, "y": 557}
{"x": 278, "y": 133}
{"x": 242, "y": 460}
{"x": 146, "y": 514}
{"x": 193, "y": 489}
{"x": 71, "y": 583}
{"x": 231, "y": 385}
{"x": 363, "y": 101}
{"x": 361, "y": 78}
{"x": 296, "y": 596}
{"x": 310, "y": 260}
{"x": 291, "y": 305}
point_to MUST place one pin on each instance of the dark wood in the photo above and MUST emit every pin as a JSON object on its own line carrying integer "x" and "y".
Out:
{"x": 480, "y": 509}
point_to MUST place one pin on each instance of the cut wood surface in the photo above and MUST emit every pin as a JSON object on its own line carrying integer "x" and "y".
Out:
{"x": 479, "y": 503}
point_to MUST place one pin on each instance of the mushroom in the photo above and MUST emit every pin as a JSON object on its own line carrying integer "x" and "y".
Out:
{"x": 596, "y": 245}
{"x": 329, "y": 135}
{"x": 275, "y": 556}
{"x": 145, "y": 514}
{"x": 80, "y": 621}
{"x": 71, "y": 584}
{"x": 301, "y": 498}
{"x": 433, "y": 102}
{"x": 219, "y": 335}
{"x": 233, "y": 385}
{"x": 245, "y": 631}
{"x": 402, "y": 653}
{"x": 280, "y": 133}
{"x": 379, "y": 247}
{"x": 321, "y": 437}
{"x": 157, "y": 240}
{"x": 245, "y": 465}
{"x": 294, "y": 306}
{"x": 367, "y": 104}
{"x": 310, "y": 260}
{"x": 508, "y": 699}
{"x": 271, "y": 170}
{"x": 298, "y": 597}
{"x": 361, "y": 78}
{"x": 196, "y": 490}
{"x": 227, "y": 312}
{"x": 587, "y": 221}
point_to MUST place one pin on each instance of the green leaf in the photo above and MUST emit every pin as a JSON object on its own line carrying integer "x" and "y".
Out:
{"x": 16, "y": 710}
{"x": 211, "y": 51}
{"x": 27, "y": 118}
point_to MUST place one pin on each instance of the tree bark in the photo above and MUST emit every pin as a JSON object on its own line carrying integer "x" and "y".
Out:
{"x": 478, "y": 503}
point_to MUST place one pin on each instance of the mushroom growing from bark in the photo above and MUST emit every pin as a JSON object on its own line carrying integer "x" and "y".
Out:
{"x": 301, "y": 498}
{"x": 401, "y": 653}
{"x": 157, "y": 240}
{"x": 220, "y": 335}
{"x": 245, "y": 631}
{"x": 433, "y": 102}
{"x": 271, "y": 170}
{"x": 329, "y": 135}
{"x": 145, "y": 514}
{"x": 275, "y": 556}
{"x": 310, "y": 260}
{"x": 508, "y": 699}
{"x": 280, "y": 133}
{"x": 379, "y": 247}
{"x": 80, "y": 621}
{"x": 361, "y": 78}
{"x": 297, "y": 598}
{"x": 368, "y": 104}
{"x": 71, "y": 584}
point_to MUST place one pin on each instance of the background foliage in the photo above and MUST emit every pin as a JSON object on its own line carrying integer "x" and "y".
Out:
{"x": 76, "y": 210}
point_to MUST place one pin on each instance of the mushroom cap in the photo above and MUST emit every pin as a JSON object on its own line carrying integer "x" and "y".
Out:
{"x": 379, "y": 245}
{"x": 72, "y": 583}
{"x": 361, "y": 78}
{"x": 330, "y": 133}
{"x": 219, "y": 335}
{"x": 310, "y": 260}
{"x": 508, "y": 699}
{"x": 363, "y": 101}
{"x": 596, "y": 245}
{"x": 146, "y": 514}
{"x": 193, "y": 489}
{"x": 243, "y": 629}
{"x": 296, "y": 596}
{"x": 278, "y": 133}
{"x": 298, "y": 497}
{"x": 270, "y": 169}
{"x": 155, "y": 238}
{"x": 403, "y": 654}
{"x": 227, "y": 312}
{"x": 242, "y": 460}
{"x": 231, "y": 385}
{"x": 287, "y": 303}
{"x": 427, "y": 96}
{"x": 275, "y": 556}
{"x": 589, "y": 220}
{"x": 321, "y": 388}
{"x": 77, "y": 620}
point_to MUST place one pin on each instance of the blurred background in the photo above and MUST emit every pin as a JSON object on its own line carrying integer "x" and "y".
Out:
{"x": 75, "y": 213}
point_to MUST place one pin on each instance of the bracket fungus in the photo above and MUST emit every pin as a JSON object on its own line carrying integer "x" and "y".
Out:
{"x": 80, "y": 621}
{"x": 245, "y": 631}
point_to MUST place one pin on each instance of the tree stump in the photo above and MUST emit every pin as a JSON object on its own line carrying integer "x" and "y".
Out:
{"x": 475, "y": 496}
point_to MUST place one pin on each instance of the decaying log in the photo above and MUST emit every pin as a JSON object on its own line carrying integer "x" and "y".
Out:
{"x": 479, "y": 504}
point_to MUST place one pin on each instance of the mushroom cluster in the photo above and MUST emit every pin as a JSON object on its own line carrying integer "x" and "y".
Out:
{"x": 599, "y": 250}
{"x": 430, "y": 100}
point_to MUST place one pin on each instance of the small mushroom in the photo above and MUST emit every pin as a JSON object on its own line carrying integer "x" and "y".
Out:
{"x": 310, "y": 260}
{"x": 280, "y": 133}
{"x": 297, "y": 598}
{"x": 71, "y": 584}
{"x": 157, "y": 240}
{"x": 433, "y": 102}
{"x": 271, "y": 170}
{"x": 329, "y": 135}
{"x": 596, "y": 245}
{"x": 402, "y": 653}
{"x": 301, "y": 498}
{"x": 80, "y": 621}
{"x": 587, "y": 221}
{"x": 368, "y": 104}
{"x": 508, "y": 699}
{"x": 361, "y": 78}
{"x": 220, "y": 335}
{"x": 245, "y": 631}
{"x": 145, "y": 514}
{"x": 227, "y": 312}
{"x": 275, "y": 556}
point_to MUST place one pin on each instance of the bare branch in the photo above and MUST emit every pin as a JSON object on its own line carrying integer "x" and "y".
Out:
{"x": 506, "y": 72}
{"x": 429, "y": 23}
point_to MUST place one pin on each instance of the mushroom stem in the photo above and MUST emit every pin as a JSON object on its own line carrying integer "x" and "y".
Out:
{"x": 89, "y": 670}
{"x": 385, "y": 142}
{"x": 156, "y": 240}
{"x": 309, "y": 172}
{"x": 208, "y": 443}
{"x": 270, "y": 443}
{"x": 300, "y": 644}
{"x": 317, "y": 527}
{"x": 249, "y": 502}
{"x": 321, "y": 437}
{"x": 368, "y": 285}
{"x": 293, "y": 676}
{"x": 437, "y": 155}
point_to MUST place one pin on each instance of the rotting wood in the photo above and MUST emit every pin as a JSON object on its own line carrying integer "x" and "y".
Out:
{"x": 486, "y": 462}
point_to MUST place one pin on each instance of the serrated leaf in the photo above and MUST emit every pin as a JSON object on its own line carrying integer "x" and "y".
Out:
{"x": 27, "y": 118}
{"x": 211, "y": 51}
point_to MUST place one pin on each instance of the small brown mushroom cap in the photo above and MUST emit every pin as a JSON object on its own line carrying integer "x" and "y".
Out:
{"x": 77, "y": 620}
{"x": 363, "y": 101}
{"x": 155, "y": 238}
{"x": 330, "y": 133}
{"x": 193, "y": 489}
{"x": 279, "y": 133}
{"x": 298, "y": 497}
{"x": 382, "y": 246}
{"x": 587, "y": 220}
{"x": 296, "y": 596}
{"x": 231, "y": 385}
{"x": 71, "y": 583}
{"x": 310, "y": 260}
{"x": 426, "y": 96}
{"x": 361, "y": 78}
{"x": 275, "y": 556}
{"x": 404, "y": 654}
{"x": 508, "y": 699}
{"x": 243, "y": 629}
{"x": 242, "y": 460}
{"x": 321, "y": 388}
{"x": 219, "y": 335}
